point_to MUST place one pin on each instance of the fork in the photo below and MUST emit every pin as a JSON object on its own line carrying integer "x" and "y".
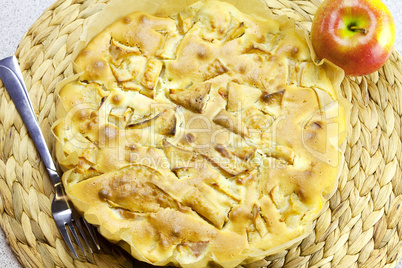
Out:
{"x": 65, "y": 215}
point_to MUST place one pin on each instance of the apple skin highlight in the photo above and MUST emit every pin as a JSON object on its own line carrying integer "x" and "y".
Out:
{"x": 356, "y": 35}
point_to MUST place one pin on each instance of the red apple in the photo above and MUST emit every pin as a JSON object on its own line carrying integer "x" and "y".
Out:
{"x": 356, "y": 35}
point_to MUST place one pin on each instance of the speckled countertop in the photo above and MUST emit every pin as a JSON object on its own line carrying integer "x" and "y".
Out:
{"x": 17, "y": 16}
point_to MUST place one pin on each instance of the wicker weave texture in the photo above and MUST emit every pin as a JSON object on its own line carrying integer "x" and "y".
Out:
{"x": 360, "y": 226}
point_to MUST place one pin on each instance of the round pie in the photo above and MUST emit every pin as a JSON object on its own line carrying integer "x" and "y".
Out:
{"x": 206, "y": 136}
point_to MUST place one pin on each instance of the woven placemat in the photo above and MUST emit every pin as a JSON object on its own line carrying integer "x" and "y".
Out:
{"x": 360, "y": 226}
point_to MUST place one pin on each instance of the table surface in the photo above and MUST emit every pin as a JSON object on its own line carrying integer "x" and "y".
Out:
{"x": 17, "y": 16}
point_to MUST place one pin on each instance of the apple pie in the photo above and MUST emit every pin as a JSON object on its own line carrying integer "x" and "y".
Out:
{"x": 206, "y": 136}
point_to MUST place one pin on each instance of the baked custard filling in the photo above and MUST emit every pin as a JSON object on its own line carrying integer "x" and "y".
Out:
{"x": 207, "y": 136}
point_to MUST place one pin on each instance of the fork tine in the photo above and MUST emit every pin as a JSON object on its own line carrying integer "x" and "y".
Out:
{"x": 79, "y": 220}
{"x": 92, "y": 233}
{"x": 67, "y": 238}
{"x": 72, "y": 229}
{"x": 83, "y": 235}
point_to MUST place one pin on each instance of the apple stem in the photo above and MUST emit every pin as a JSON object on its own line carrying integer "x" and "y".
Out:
{"x": 358, "y": 29}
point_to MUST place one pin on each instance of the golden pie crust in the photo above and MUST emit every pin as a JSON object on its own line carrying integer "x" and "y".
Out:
{"x": 206, "y": 136}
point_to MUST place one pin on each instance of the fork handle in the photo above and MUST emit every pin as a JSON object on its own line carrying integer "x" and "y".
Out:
{"x": 11, "y": 76}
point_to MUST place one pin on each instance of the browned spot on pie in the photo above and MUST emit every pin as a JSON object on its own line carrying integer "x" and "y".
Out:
{"x": 295, "y": 51}
{"x": 105, "y": 194}
{"x": 202, "y": 53}
{"x": 116, "y": 99}
{"x": 190, "y": 138}
{"x": 273, "y": 98}
{"x": 221, "y": 149}
{"x": 127, "y": 20}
